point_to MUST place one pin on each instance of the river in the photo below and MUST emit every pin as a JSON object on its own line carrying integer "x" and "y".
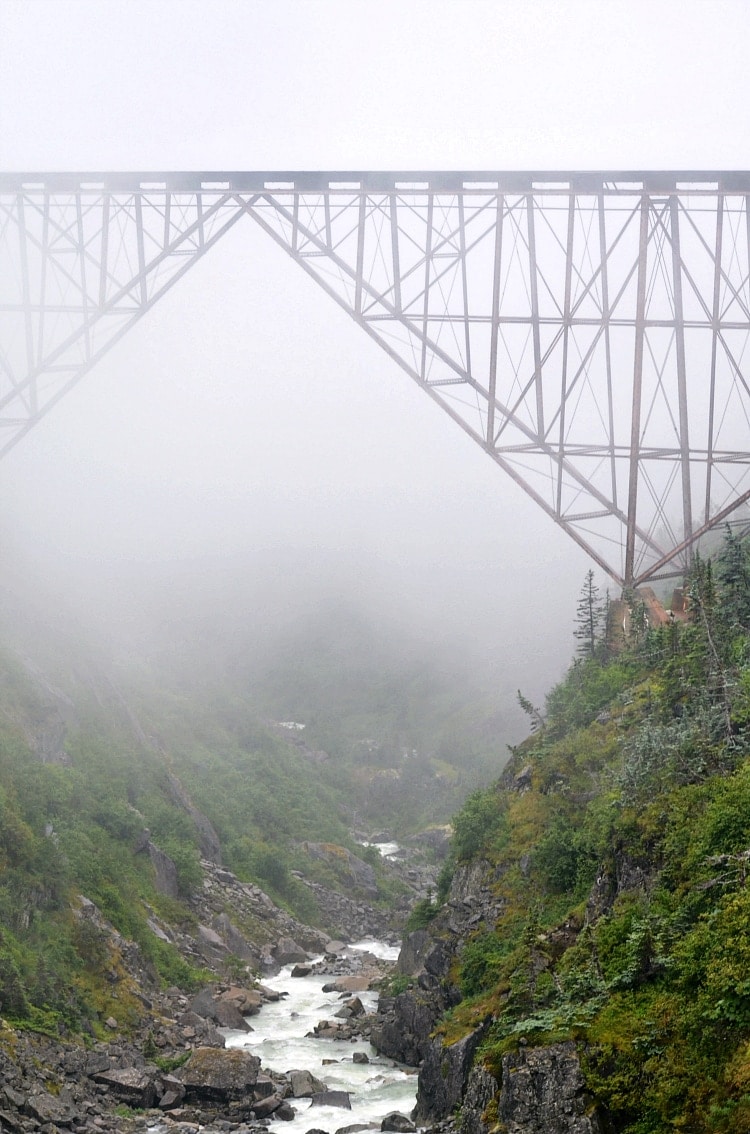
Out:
{"x": 279, "y": 1039}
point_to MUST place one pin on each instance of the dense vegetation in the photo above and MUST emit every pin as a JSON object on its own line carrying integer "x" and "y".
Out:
{"x": 620, "y": 841}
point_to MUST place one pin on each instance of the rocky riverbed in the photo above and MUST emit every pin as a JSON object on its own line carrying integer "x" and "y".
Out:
{"x": 184, "y": 1076}
{"x": 169, "y": 1068}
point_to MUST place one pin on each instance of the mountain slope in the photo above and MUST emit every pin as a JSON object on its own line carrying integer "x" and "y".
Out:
{"x": 595, "y": 934}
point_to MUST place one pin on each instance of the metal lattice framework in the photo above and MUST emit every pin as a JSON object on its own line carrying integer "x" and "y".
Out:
{"x": 588, "y": 330}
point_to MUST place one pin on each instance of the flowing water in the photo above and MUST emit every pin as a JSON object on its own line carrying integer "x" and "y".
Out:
{"x": 279, "y": 1038}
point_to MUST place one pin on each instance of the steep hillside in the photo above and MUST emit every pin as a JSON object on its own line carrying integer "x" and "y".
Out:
{"x": 587, "y": 966}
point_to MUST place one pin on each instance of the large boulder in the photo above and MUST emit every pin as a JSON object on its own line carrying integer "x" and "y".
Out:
{"x": 304, "y": 1084}
{"x": 133, "y": 1085}
{"x": 247, "y": 1000}
{"x": 400, "y": 1123}
{"x": 217, "y": 1075}
{"x": 288, "y": 952}
{"x": 49, "y": 1109}
{"x": 332, "y": 1098}
{"x": 227, "y": 1007}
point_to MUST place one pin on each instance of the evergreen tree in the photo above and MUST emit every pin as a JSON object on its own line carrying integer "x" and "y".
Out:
{"x": 532, "y": 712}
{"x": 590, "y": 618}
{"x": 734, "y": 577}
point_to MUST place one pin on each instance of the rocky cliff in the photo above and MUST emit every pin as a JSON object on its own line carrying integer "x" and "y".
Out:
{"x": 588, "y": 968}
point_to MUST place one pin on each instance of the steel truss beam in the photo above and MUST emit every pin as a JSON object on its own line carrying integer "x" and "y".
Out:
{"x": 588, "y": 330}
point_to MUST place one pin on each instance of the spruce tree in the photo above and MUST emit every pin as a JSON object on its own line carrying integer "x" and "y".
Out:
{"x": 734, "y": 577}
{"x": 590, "y": 618}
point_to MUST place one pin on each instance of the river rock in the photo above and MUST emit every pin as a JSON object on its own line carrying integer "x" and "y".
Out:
{"x": 301, "y": 970}
{"x": 304, "y": 1085}
{"x": 348, "y": 984}
{"x": 287, "y": 952}
{"x": 398, "y": 1122}
{"x": 228, "y": 1015}
{"x": 247, "y": 1000}
{"x": 217, "y": 1075}
{"x": 332, "y": 1098}
{"x": 264, "y": 1087}
{"x": 262, "y": 1108}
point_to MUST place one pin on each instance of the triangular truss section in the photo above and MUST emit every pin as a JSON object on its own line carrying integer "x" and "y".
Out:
{"x": 590, "y": 331}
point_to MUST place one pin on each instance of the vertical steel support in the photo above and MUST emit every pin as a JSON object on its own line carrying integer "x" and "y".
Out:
{"x": 103, "y": 262}
{"x": 42, "y": 295}
{"x": 682, "y": 396}
{"x": 604, "y": 257}
{"x": 715, "y": 312}
{"x": 533, "y": 284}
{"x": 141, "y": 250}
{"x": 327, "y": 219}
{"x": 295, "y": 223}
{"x": 427, "y": 273}
{"x": 464, "y": 281}
{"x": 566, "y": 334}
{"x": 82, "y": 272}
{"x": 393, "y": 200}
{"x": 495, "y": 320}
{"x": 24, "y": 254}
{"x": 199, "y": 211}
{"x": 635, "y": 418}
{"x": 167, "y": 220}
{"x": 361, "y": 218}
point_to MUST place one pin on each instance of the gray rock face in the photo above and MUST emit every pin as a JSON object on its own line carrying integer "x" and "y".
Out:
{"x": 209, "y": 840}
{"x": 413, "y": 949}
{"x": 444, "y": 1075}
{"x": 543, "y": 1093}
{"x": 402, "y": 1027}
{"x": 481, "y": 1088}
{"x": 165, "y": 871}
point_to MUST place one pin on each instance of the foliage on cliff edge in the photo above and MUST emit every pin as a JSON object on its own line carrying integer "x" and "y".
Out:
{"x": 619, "y": 841}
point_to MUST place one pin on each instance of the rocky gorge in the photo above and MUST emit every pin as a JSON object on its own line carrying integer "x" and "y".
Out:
{"x": 170, "y": 1068}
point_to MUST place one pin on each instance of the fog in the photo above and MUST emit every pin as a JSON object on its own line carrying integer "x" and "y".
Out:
{"x": 246, "y": 456}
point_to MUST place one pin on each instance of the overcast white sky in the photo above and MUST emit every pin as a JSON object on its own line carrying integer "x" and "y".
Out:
{"x": 245, "y": 418}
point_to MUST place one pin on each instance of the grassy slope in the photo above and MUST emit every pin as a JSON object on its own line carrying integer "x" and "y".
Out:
{"x": 622, "y": 873}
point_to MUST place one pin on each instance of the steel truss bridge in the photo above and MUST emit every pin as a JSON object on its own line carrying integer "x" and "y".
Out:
{"x": 588, "y": 330}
